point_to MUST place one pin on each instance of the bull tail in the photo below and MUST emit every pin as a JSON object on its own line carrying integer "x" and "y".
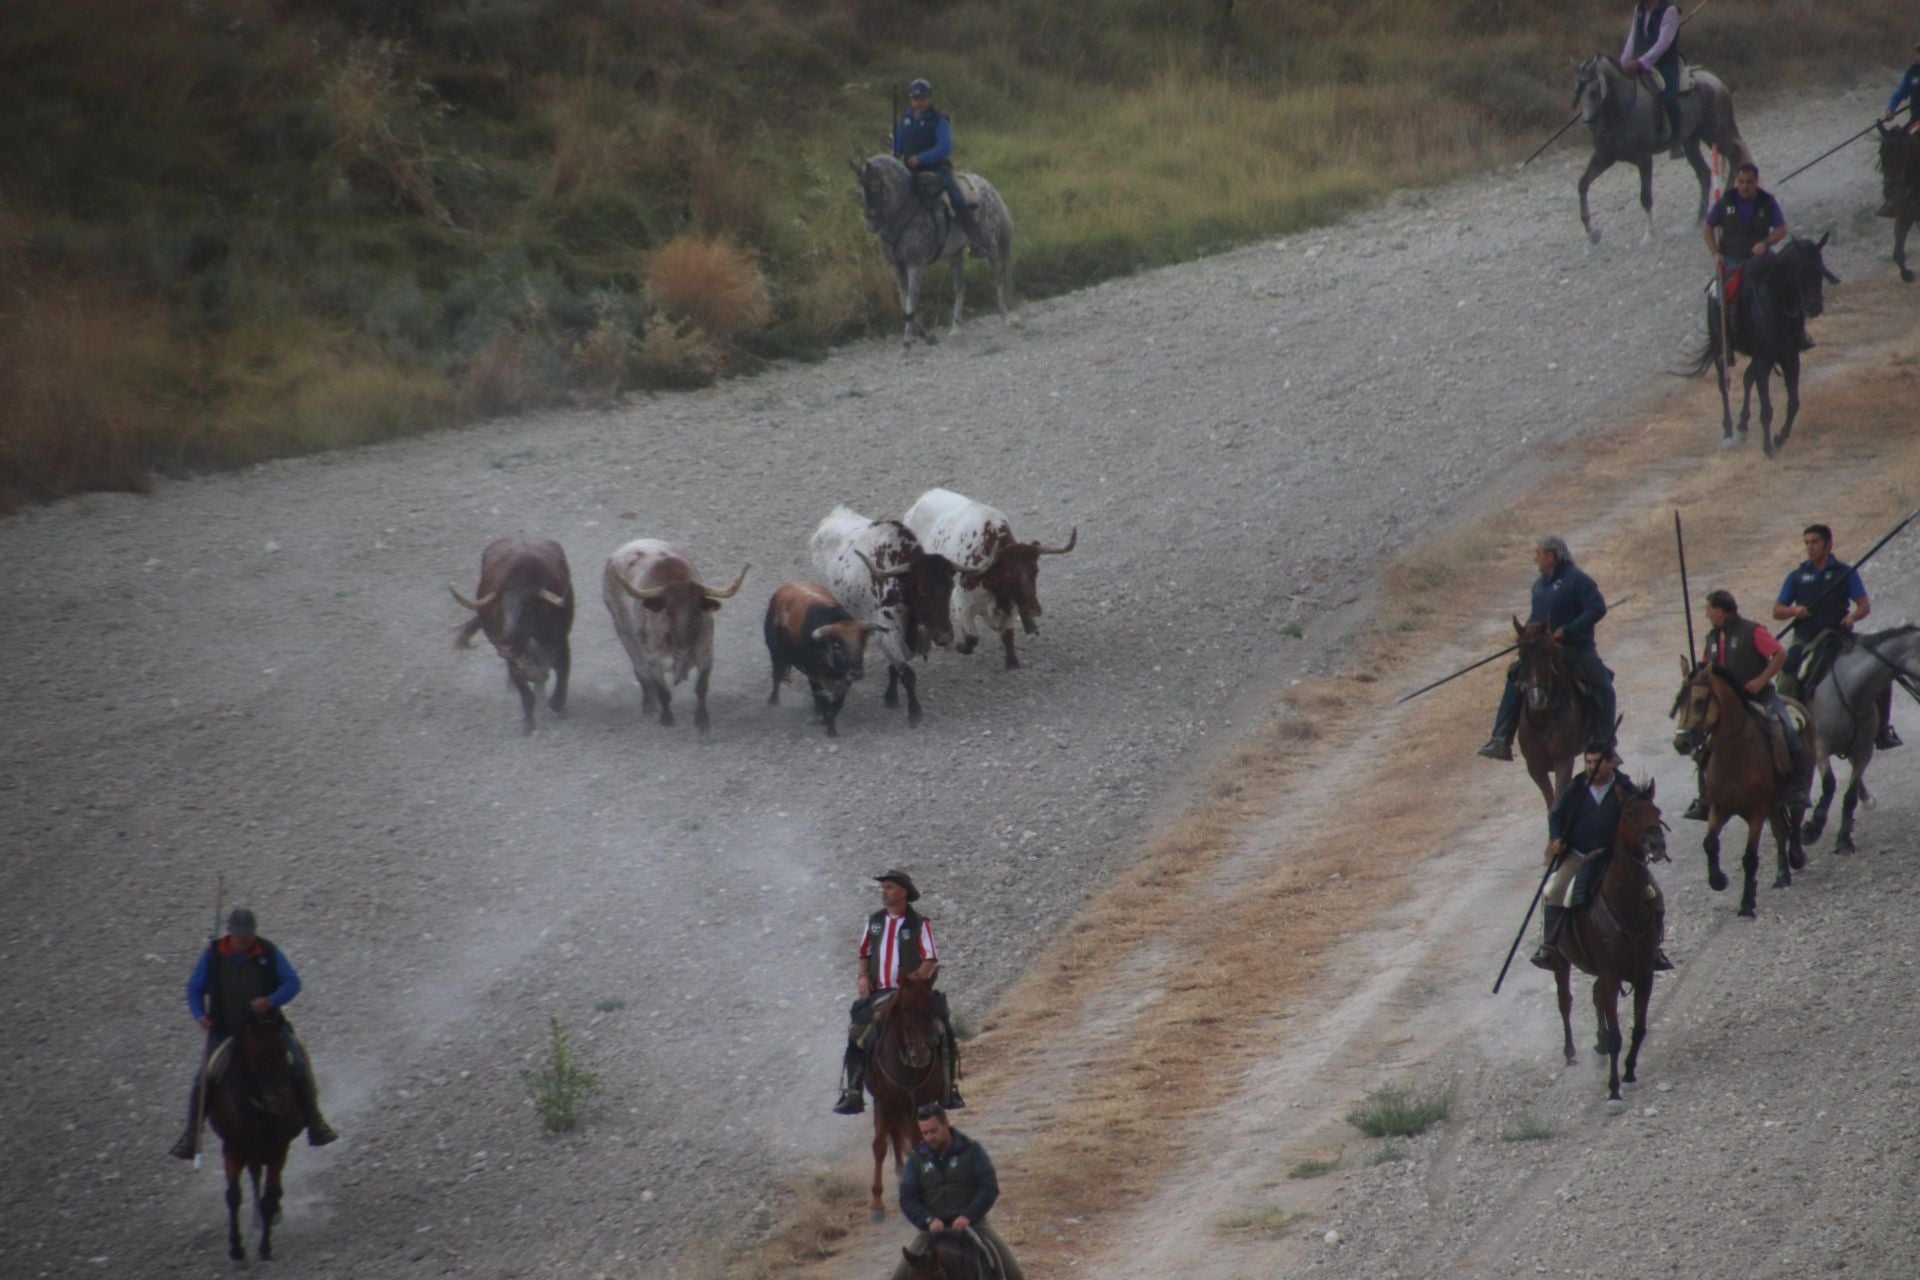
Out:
{"x": 463, "y": 634}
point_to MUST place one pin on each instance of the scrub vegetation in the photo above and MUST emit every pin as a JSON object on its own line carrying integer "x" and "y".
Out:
{"x": 239, "y": 229}
{"x": 1392, "y": 1112}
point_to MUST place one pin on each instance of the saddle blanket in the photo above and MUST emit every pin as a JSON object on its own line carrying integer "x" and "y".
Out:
{"x": 1652, "y": 78}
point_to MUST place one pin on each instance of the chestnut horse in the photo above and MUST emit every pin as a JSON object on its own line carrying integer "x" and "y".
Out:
{"x": 253, "y": 1109}
{"x": 951, "y": 1255}
{"x": 1615, "y": 937}
{"x": 1553, "y": 716}
{"x": 905, "y": 1067}
{"x": 1740, "y": 780}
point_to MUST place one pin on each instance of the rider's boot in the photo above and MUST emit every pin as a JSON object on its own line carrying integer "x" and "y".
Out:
{"x": 1887, "y": 739}
{"x": 1498, "y": 747}
{"x": 975, "y": 239}
{"x": 853, "y": 1080}
{"x": 184, "y": 1148}
{"x": 1544, "y": 955}
{"x": 1697, "y": 811}
{"x": 1660, "y": 962}
{"x": 953, "y": 1101}
{"x": 319, "y": 1132}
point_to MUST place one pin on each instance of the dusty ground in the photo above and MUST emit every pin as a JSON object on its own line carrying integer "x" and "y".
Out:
{"x": 248, "y": 674}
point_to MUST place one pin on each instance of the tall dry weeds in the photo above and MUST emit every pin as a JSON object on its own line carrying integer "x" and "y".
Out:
{"x": 711, "y": 282}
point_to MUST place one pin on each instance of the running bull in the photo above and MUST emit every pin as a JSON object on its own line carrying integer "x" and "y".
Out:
{"x": 881, "y": 574}
{"x": 525, "y": 605}
{"x": 998, "y": 573}
{"x": 663, "y": 615}
{"x": 808, "y": 631}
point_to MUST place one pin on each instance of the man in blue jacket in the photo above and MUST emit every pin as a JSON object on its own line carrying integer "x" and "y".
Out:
{"x": 923, "y": 141}
{"x": 1907, "y": 93}
{"x": 1567, "y": 600}
{"x": 239, "y": 976}
{"x": 948, "y": 1184}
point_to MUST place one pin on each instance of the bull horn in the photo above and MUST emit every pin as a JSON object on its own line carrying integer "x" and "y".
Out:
{"x": 898, "y": 571}
{"x": 640, "y": 593}
{"x": 1073, "y": 540}
{"x": 557, "y": 601}
{"x": 475, "y": 605}
{"x": 731, "y": 591}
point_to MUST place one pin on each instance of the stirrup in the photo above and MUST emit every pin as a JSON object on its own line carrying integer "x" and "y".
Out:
{"x": 183, "y": 1149}
{"x": 954, "y": 1101}
{"x": 1660, "y": 962}
{"x": 850, "y": 1104}
{"x": 1542, "y": 957}
{"x": 1887, "y": 739}
{"x": 1697, "y": 811}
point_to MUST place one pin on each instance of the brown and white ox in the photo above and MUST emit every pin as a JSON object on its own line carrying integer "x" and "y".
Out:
{"x": 525, "y": 605}
{"x": 663, "y": 614}
{"x": 998, "y": 572}
{"x": 808, "y": 631}
{"x": 881, "y": 574}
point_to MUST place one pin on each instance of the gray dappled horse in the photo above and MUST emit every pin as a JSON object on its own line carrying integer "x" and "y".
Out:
{"x": 1621, "y": 114}
{"x": 913, "y": 237}
{"x": 1844, "y": 707}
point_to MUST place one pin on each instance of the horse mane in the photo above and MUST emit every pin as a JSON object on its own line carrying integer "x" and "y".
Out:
{"x": 1746, "y": 699}
{"x": 1891, "y": 633}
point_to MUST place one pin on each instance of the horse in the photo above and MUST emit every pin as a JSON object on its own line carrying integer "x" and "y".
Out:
{"x": 951, "y": 1255}
{"x": 1615, "y": 938}
{"x": 905, "y": 1067}
{"x": 1900, "y": 183}
{"x": 1553, "y": 718}
{"x": 913, "y": 239}
{"x": 1740, "y": 780}
{"x": 1778, "y": 292}
{"x": 1844, "y": 705}
{"x": 1621, "y": 114}
{"x": 253, "y": 1109}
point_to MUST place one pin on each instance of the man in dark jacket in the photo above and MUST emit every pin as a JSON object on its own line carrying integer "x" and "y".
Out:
{"x": 1825, "y": 597}
{"x": 1585, "y": 819}
{"x": 239, "y": 976}
{"x": 949, "y": 1184}
{"x": 1746, "y": 651}
{"x": 923, "y": 141}
{"x": 1567, "y": 600}
{"x": 1653, "y": 42}
{"x": 896, "y": 944}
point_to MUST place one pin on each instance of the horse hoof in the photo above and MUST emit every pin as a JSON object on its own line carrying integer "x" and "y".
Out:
{"x": 1573, "y": 1059}
{"x": 1843, "y": 846}
{"x": 1593, "y": 235}
{"x": 1629, "y": 1086}
{"x": 1616, "y": 1106}
{"x": 1747, "y": 912}
{"x": 1783, "y": 882}
{"x": 876, "y": 1215}
{"x": 1906, "y": 276}
{"x": 1810, "y": 833}
{"x": 1717, "y": 881}
{"x": 1797, "y": 860}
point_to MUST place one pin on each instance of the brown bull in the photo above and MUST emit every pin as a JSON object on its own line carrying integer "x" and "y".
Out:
{"x": 808, "y": 631}
{"x": 525, "y": 605}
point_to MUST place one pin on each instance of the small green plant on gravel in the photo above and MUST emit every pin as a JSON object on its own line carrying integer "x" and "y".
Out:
{"x": 1314, "y": 1168}
{"x": 612, "y": 1004}
{"x": 1393, "y": 1112}
{"x": 1526, "y": 1129}
{"x": 562, "y": 1089}
{"x": 1388, "y": 1154}
{"x": 1271, "y": 1222}
{"x": 1292, "y": 631}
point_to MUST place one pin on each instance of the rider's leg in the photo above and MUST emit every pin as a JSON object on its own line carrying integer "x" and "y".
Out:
{"x": 963, "y": 212}
{"x": 1788, "y": 681}
{"x": 1506, "y": 721}
{"x": 1697, "y": 811}
{"x": 1552, "y": 914}
{"x": 319, "y": 1132}
{"x": 1010, "y": 1265}
{"x": 183, "y": 1149}
{"x": 1669, "y": 69}
{"x": 1888, "y": 739}
{"x": 1796, "y": 753}
{"x": 853, "y": 1066}
{"x": 953, "y": 1100}
{"x": 1600, "y": 682}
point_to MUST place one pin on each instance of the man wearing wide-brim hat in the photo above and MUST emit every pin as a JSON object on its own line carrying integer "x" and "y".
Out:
{"x": 896, "y": 944}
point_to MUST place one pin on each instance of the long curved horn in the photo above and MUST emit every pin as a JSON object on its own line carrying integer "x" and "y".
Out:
{"x": 898, "y": 571}
{"x": 475, "y": 605}
{"x": 731, "y": 591}
{"x": 552, "y": 598}
{"x": 1073, "y": 540}
{"x": 641, "y": 593}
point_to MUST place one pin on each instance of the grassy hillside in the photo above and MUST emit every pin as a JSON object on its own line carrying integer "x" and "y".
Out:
{"x": 236, "y": 229}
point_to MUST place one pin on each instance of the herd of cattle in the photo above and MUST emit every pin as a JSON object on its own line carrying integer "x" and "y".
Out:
{"x": 949, "y": 570}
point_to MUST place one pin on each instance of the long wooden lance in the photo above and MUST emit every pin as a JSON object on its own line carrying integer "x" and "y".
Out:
{"x": 1684, "y": 20}
{"x": 1831, "y": 586}
{"x": 1830, "y": 150}
{"x": 1686, "y": 596}
{"x": 1527, "y": 919}
{"x": 206, "y": 1045}
{"x": 1475, "y": 666}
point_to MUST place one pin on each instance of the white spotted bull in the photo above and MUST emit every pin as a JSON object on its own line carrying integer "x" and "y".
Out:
{"x": 663, "y": 614}
{"x": 881, "y": 574}
{"x": 998, "y": 573}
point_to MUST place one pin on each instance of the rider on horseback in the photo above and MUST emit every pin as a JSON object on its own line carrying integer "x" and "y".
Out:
{"x": 1751, "y": 655}
{"x": 1652, "y": 34}
{"x": 1567, "y": 600}
{"x": 1820, "y": 609}
{"x": 1742, "y": 226}
{"x": 896, "y": 944}
{"x": 923, "y": 140}
{"x": 239, "y": 976}
{"x": 1908, "y": 92}
{"x": 1584, "y": 821}
{"x": 948, "y": 1184}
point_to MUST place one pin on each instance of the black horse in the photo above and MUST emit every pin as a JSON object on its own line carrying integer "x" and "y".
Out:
{"x": 253, "y": 1109}
{"x": 1900, "y": 183}
{"x": 1776, "y": 295}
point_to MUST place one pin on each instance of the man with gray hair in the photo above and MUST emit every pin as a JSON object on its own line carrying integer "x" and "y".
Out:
{"x": 1569, "y": 603}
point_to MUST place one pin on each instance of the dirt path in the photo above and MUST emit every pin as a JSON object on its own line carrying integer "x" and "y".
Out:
{"x": 248, "y": 674}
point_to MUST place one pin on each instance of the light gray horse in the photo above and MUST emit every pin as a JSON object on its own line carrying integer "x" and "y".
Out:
{"x": 1620, "y": 114}
{"x": 911, "y": 238}
{"x": 1844, "y": 708}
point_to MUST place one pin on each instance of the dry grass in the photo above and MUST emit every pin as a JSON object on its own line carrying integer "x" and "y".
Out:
{"x": 380, "y": 141}
{"x": 711, "y": 282}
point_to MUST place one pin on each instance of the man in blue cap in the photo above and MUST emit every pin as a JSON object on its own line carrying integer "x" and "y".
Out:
{"x": 240, "y": 976}
{"x": 923, "y": 141}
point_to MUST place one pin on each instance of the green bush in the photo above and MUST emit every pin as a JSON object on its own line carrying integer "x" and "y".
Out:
{"x": 1392, "y": 1112}
{"x": 562, "y": 1089}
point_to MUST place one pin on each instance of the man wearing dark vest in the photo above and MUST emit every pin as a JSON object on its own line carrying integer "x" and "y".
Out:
{"x": 1825, "y": 596}
{"x": 1740, "y": 227}
{"x": 240, "y": 976}
{"x": 1653, "y": 41}
{"x": 1748, "y": 652}
{"x": 896, "y": 944}
{"x": 1908, "y": 92}
{"x": 923, "y": 141}
{"x": 1584, "y": 820}
{"x": 1567, "y": 600}
{"x": 948, "y": 1184}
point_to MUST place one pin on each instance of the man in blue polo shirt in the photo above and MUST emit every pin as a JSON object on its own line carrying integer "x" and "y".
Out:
{"x": 1817, "y": 607}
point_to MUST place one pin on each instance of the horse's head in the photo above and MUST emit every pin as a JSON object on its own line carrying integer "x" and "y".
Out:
{"x": 1810, "y": 273}
{"x": 949, "y": 1255}
{"x": 909, "y": 1016}
{"x": 1543, "y": 670}
{"x": 883, "y": 181}
{"x": 1642, "y": 833}
{"x": 260, "y": 1060}
{"x": 1590, "y": 87}
{"x": 1695, "y": 709}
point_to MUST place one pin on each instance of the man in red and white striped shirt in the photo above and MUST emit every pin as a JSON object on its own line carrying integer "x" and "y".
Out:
{"x": 896, "y": 944}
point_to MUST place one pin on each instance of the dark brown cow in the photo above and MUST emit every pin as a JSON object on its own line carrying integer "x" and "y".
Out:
{"x": 808, "y": 631}
{"x": 525, "y": 605}
{"x": 997, "y": 573}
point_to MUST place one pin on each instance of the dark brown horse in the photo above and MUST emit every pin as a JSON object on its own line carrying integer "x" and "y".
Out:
{"x": 253, "y": 1109}
{"x": 1900, "y": 183}
{"x": 1553, "y": 716}
{"x": 905, "y": 1067}
{"x": 1740, "y": 779}
{"x": 1615, "y": 938}
{"x": 950, "y": 1255}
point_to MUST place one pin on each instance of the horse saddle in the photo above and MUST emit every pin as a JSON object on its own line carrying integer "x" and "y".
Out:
{"x": 1655, "y": 81}
{"x": 1770, "y": 719}
{"x": 932, "y": 192}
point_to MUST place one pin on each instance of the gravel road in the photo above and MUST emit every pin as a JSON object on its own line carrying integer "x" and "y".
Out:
{"x": 249, "y": 674}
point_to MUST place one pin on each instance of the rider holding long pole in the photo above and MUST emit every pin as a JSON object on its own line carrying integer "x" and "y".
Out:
{"x": 1567, "y": 600}
{"x": 1824, "y": 616}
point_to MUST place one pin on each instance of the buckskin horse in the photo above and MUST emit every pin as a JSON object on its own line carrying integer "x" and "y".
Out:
{"x": 1844, "y": 706}
{"x": 1740, "y": 780}
{"x": 1615, "y": 937}
{"x": 1621, "y": 114}
{"x": 913, "y": 237}
{"x": 905, "y": 1067}
{"x": 950, "y": 1255}
{"x": 252, "y": 1107}
{"x": 1777, "y": 293}
{"x": 1900, "y": 184}
{"x": 1553, "y": 717}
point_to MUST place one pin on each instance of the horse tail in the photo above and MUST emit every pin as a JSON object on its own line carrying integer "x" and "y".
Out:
{"x": 1717, "y": 125}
